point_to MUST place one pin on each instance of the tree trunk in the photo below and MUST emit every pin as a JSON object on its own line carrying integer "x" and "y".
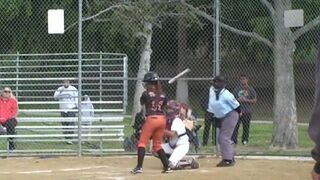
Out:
{"x": 182, "y": 92}
{"x": 144, "y": 67}
{"x": 285, "y": 131}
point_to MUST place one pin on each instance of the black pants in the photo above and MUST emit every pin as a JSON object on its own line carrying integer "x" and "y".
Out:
{"x": 67, "y": 130}
{"x": 245, "y": 119}
{"x": 10, "y": 125}
{"x": 210, "y": 121}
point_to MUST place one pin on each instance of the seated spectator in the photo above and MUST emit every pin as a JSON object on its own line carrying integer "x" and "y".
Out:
{"x": 8, "y": 113}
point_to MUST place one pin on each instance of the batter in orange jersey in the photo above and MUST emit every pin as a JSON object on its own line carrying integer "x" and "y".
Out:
{"x": 153, "y": 101}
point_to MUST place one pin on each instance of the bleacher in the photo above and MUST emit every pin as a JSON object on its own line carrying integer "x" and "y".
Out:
{"x": 35, "y": 78}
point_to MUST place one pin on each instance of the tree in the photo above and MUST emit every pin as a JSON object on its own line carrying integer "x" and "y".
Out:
{"x": 139, "y": 17}
{"x": 285, "y": 132}
{"x": 182, "y": 92}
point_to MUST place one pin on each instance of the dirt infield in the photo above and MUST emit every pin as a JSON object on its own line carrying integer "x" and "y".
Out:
{"x": 72, "y": 168}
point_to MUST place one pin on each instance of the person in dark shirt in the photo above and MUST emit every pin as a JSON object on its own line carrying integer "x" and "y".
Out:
{"x": 314, "y": 126}
{"x": 153, "y": 101}
{"x": 247, "y": 97}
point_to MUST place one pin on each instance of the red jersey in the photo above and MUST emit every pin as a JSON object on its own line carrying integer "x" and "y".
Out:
{"x": 8, "y": 109}
{"x": 154, "y": 103}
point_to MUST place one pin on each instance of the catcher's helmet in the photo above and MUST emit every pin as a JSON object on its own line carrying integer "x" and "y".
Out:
{"x": 150, "y": 77}
{"x": 172, "y": 109}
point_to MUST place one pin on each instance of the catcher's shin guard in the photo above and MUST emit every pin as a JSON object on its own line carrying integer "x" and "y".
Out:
{"x": 188, "y": 162}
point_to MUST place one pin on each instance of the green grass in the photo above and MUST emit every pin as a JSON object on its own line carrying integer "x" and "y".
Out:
{"x": 260, "y": 141}
{"x": 260, "y": 137}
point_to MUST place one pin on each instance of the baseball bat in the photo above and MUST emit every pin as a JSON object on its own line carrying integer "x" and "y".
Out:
{"x": 172, "y": 80}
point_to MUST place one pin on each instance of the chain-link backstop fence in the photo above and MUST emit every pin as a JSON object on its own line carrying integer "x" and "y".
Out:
{"x": 166, "y": 37}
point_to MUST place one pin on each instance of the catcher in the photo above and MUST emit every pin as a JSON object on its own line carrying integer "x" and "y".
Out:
{"x": 178, "y": 144}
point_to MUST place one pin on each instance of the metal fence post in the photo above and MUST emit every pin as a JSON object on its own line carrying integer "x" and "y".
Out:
{"x": 125, "y": 84}
{"x": 100, "y": 99}
{"x": 79, "y": 77}
{"x": 216, "y": 9}
{"x": 100, "y": 76}
{"x": 17, "y": 75}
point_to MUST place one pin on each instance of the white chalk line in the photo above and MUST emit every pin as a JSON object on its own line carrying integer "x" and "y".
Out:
{"x": 116, "y": 178}
{"x": 83, "y": 168}
{"x": 58, "y": 170}
{"x": 35, "y": 172}
{"x": 287, "y": 158}
{"x": 101, "y": 173}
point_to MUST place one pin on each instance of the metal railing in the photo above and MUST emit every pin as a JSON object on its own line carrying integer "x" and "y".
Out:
{"x": 35, "y": 77}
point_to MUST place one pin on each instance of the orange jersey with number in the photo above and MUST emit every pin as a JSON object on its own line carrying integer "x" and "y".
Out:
{"x": 154, "y": 103}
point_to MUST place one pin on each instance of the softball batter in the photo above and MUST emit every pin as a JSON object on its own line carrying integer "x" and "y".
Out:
{"x": 154, "y": 101}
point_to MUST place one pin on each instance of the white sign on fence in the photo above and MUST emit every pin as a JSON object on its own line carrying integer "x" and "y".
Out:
{"x": 294, "y": 18}
{"x": 56, "y": 21}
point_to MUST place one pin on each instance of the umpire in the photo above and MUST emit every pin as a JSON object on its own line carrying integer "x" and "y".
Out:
{"x": 314, "y": 126}
{"x": 226, "y": 108}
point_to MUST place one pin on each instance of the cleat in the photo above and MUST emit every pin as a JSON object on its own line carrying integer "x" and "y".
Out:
{"x": 194, "y": 164}
{"x": 69, "y": 142}
{"x": 167, "y": 170}
{"x": 136, "y": 170}
{"x": 225, "y": 163}
{"x": 245, "y": 143}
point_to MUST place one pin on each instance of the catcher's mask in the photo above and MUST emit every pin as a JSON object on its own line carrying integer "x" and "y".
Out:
{"x": 172, "y": 109}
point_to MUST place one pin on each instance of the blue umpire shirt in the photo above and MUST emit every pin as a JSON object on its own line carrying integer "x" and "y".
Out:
{"x": 224, "y": 104}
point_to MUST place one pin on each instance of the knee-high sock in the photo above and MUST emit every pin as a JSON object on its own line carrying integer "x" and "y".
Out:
{"x": 141, "y": 153}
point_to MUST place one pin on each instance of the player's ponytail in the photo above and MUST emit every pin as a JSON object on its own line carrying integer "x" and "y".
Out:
{"x": 158, "y": 88}
{"x": 154, "y": 87}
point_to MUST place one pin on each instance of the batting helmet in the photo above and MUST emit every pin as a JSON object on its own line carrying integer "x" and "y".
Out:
{"x": 150, "y": 77}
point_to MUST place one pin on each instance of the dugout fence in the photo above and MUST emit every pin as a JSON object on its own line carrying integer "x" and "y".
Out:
{"x": 35, "y": 77}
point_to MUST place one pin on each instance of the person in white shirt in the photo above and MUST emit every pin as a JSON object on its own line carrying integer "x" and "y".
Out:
{"x": 87, "y": 113}
{"x": 177, "y": 146}
{"x": 67, "y": 96}
{"x": 226, "y": 108}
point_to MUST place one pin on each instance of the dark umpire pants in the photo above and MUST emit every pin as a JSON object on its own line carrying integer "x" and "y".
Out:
{"x": 210, "y": 121}
{"x": 245, "y": 119}
{"x": 10, "y": 125}
{"x": 68, "y": 130}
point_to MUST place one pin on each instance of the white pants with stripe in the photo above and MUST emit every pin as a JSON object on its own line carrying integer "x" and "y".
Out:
{"x": 177, "y": 153}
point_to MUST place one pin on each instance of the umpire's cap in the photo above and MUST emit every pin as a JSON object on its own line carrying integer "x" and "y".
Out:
{"x": 219, "y": 78}
{"x": 150, "y": 77}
